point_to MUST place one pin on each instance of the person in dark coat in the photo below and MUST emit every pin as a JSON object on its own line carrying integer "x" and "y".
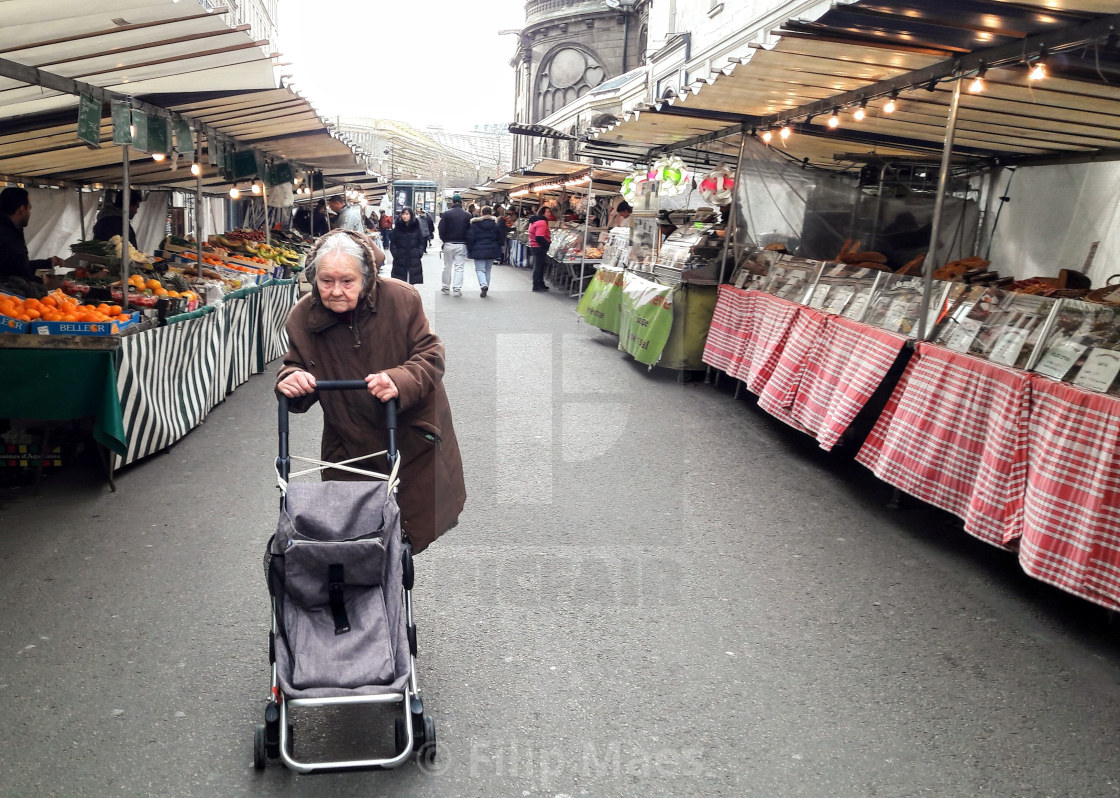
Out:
{"x": 427, "y": 225}
{"x": 353, "y": 325}
{"x": 16, "y": 268}
{"x": 407, "y": 248}
{"x": 110, "y": 219}
{"x": 484, "y": 245}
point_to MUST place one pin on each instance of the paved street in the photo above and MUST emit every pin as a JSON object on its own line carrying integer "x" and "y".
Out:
{"x": 655, "y": 590}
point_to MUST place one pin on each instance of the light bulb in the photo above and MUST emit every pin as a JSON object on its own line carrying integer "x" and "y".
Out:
{"x": 784, "y": 132}
{"x": 1038, "y": 72}
{"x": 976, "y": 86}
{"x": 234, "y": 193}
{"x": 891, "y": 104}
{"x": 859, "y": 114}
{"x": 766, "y": 136}
{"x": 834, "y": 120}
{"x": 256, "y": 188}
{"x": 158, "y": 157}
{"x": 196, "y": 170}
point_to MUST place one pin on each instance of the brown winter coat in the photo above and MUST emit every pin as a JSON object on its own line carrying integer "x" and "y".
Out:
{"x": 389, "y": 333}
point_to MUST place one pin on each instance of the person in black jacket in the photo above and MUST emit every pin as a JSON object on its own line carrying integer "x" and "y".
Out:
{"x": 16, "y": 268}
{"x": 484, "y": 245}
{"x": 110, "y": 219}
{"x": 453, "y": 226}
{"x": 407, "y": 246}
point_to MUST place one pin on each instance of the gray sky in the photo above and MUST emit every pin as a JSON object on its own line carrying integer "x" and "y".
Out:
{"x": 419, "y": 61}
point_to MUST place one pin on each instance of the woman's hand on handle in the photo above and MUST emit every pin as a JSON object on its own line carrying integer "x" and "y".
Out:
{"x": 382, "y": 387}
{"x": 298, "y": 383}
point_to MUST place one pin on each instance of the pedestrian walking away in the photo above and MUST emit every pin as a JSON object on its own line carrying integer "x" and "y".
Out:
{"x": 427, "y": 225}
{"x": 357, "y": 323}
{"x": 484, "y": 246}
{"x": 540, "y": 238}
{"x": 385, "y": 223}
{"x": 407, "y": 248}
{"x": 454, "y": 224}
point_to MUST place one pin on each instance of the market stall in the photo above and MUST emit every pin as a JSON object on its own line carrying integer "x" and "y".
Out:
{"x": 880, "y": 206}
{"x": 160, "y": 332}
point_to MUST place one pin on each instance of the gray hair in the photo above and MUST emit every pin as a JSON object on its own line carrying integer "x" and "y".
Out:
{"x": 341, "y": 245}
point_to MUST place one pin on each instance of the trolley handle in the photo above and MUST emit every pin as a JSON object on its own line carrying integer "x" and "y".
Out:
{"x": 284, "y": 461}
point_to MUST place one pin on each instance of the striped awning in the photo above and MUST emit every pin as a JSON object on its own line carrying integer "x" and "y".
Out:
{"x": 172, "y": 56}
{"x": 866, "y": 52}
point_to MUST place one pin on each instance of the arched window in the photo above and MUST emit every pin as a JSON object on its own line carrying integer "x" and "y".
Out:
{"x": 566, "y": 74}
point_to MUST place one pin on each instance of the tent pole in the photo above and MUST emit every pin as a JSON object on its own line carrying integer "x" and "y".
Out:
{"x": 267, "y": 224}
{"x": 942, "y": 185}
{"x": 586, "y": 230}
{"x": 731, "y": 226}
{"x": 81, "y": 213}
{"x": 126, "y": 202}
{"x": 198, "y": 228}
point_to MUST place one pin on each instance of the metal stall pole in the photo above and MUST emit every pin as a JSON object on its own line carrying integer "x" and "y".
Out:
{"x": 732, "y": 228}
{"x": 586, "y": 230}
{"x": 267, "y": 223}
{"x": 126, "y": 201}
{"x": 198, "y": 221}
{"x": 81, "y": 213}
{"x": 942, "y": 185}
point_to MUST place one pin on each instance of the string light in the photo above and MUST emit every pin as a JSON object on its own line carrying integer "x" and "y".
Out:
{"x": 784, "y": 132}
{"x": 196, "y": 170}
{"x": 256, "y": 187}
{"x": 834, "y": 120}
{"x": 158, "y": 157}
{"x": 1038, "y": 71}
{"x": 891, "y": 104}
{"x": 860, "y": 112}
{"x": 234, "y": 193}
{"x": 767, "y": 136}
{"x": 977, "y": 84}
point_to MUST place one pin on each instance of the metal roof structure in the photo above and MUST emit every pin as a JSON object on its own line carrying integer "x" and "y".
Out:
{"x": 867, "y": 52}
{"x": 169, "y": 59}
{"x": 550, "y": 171}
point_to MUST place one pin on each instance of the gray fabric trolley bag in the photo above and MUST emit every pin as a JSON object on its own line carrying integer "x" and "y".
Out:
{"x": 340, "y": 577}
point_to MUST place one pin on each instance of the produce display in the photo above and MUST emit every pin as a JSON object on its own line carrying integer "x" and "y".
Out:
{"x": 60, "y": 314}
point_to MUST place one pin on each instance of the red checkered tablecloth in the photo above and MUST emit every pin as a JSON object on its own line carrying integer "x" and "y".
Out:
{"x": 776, "y": 396}
{"x": 768, "y": 334}
{"x": 1071, "y": 506}
{"x": 844, "y": 368}
{"x": 954, "y": 434}
{"x": 727, "y": 334}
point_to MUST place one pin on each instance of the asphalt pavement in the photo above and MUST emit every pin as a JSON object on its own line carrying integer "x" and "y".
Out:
{"x": 655, "y": 590}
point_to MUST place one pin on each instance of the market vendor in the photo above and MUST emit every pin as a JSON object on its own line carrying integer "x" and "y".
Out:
{"x": 16, "y": 269}
{"x": 357, "y": 325}
{"x": 621, "y": 215}
{"x": 110, "y": 219}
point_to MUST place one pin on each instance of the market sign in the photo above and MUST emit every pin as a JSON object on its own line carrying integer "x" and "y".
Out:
{"x": 243, "y": 164}
{"x": 184, "y": 139}
{"x": 646, "y": 319}
{"x": 601, "y": 303}
{"x": 121, "y": 114}
{"x": 159, "y": 135}
{"x": 89, "y": 120}
{"x": 140, "y": 131}
{"x": 281, "y": 172}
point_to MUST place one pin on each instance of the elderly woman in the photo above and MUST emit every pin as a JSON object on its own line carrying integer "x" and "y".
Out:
{"x": 354, "y": 325}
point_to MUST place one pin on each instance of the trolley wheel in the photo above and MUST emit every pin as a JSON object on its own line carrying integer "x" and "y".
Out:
{"x": 684, "y": 376}
{"x": 260, "y": 753}
{"x": 426, "y": 752}
{"x": 400, "y": 735}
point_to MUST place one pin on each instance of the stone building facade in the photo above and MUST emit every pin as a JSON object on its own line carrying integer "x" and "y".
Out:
{"x": 566, "y": 50}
